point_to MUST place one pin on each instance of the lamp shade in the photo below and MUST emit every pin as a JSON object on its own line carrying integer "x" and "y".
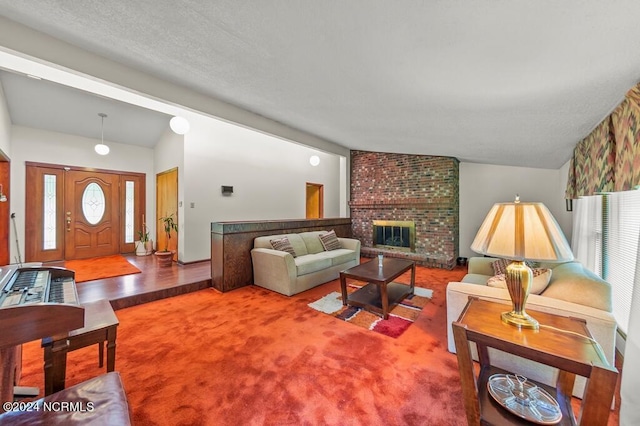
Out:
{"x": 522, "y": 231}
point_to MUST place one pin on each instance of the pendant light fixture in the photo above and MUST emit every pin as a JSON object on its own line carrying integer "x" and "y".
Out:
{"x": 101, "y": 148}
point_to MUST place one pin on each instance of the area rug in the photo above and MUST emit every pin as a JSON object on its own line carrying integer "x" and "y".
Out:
{"x": 400, "y": 318}
{"x": 97, "y": 268}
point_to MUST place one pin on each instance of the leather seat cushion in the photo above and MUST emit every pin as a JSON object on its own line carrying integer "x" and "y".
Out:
{"x": 99, "y": 401}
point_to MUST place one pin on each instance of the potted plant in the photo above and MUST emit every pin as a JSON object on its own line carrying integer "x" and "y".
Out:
{"x": 144, "y": 245}
{"x": 165, "y": 257}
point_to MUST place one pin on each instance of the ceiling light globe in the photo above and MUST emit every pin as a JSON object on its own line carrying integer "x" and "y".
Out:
{"x": 179, "y": 125}
{"x": 102, "y": 149}
{"x": 314, "y": 160}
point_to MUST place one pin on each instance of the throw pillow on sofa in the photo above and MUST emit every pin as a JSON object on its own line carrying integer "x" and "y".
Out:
{"x": 330, "y": 241}
{"x": 283, "y": 244}
{"x": 541, "y": 278}
{"x": 500, "y": 265}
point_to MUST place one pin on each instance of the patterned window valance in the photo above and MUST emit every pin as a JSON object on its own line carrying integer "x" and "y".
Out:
{"x": 609, "y": 158}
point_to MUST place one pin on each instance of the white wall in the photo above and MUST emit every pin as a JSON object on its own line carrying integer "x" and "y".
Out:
{"x": 483, "y": 185}
{"x": 268, "y": 176}
{"x": 5, "y": 125}
{"x": 58, "y": 148}
{"x": 564, "y": 218}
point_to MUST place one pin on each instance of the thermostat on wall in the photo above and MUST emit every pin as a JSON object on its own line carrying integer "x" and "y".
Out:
{"x": 227, "y": 190}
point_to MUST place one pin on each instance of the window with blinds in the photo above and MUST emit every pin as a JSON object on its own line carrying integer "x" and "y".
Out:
{"x": 606, "y": 236}
{"x": 587, "y": 233}
{"x": 621, "y": 251}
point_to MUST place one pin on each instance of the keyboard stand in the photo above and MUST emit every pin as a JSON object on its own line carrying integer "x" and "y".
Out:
{"x": 100, "y": 326}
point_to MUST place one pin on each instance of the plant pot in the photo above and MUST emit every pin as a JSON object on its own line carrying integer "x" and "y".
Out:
{"x": 144, "y": 249}
{"x": 165, "y": 258}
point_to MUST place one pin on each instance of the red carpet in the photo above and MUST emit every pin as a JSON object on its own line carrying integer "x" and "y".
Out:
{"x": 254, "y": 357}
{"x": 97, "y": 268}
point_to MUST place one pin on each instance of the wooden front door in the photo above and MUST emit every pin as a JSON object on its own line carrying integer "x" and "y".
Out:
{"x": 92, "y": 222}
{"x": 76, "y": 213}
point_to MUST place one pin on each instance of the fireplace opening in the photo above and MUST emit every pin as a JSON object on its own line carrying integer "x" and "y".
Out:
{"x": 394, "y": 234}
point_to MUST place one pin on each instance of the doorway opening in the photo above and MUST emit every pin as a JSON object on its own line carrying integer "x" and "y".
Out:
{"x": 315, "y": 201}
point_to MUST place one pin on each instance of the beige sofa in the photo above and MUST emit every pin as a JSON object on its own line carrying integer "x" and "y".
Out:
{"x": 572, "y": 291}
{"x": 281, "y": 272}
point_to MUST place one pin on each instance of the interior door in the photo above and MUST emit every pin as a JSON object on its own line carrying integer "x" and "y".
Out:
{"x": 166, "y": 204}
{"x": 91, "y": 216}
{"x": 5, "y": 221}
{"x": 315, "y": 201}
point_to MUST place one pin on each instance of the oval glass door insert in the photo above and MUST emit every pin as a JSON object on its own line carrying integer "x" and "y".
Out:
{"x": 93, "y": 203}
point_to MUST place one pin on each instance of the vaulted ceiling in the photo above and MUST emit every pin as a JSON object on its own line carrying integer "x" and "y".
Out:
{"x": 46, "y": 105}
{"x": 491, "y": 81}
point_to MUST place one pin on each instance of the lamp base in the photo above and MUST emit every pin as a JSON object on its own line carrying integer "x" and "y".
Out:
{"x": 519, "y": 278}
{"x": 520, "y": 320}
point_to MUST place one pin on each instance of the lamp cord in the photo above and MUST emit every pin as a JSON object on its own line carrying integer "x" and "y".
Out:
{"x": 590, "y": 339}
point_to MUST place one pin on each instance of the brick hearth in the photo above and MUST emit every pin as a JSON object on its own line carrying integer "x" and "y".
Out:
{"x": 418, "y": 188}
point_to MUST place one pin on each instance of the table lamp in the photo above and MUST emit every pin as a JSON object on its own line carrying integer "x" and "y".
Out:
{"x": 519, "y": 232}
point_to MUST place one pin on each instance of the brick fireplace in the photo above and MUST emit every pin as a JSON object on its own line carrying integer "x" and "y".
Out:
{"x": 406, "y": 189}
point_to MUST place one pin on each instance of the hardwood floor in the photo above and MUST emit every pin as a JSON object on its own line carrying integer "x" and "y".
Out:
{"x": 152, "y": 283}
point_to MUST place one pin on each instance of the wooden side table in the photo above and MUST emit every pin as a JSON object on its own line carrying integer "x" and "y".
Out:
{"x": 571, "y": 351}
{"x": 100, "y": 326}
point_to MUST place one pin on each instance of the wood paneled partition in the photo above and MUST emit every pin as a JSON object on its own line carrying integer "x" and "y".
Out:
{"x": 231, "y": 244}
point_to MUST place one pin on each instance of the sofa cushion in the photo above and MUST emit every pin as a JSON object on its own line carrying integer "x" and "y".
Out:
{"x": 340, "y": 256}
{"x": 298, "y": 244}
{"x": 572, "y": 282}
{"x": 541, "y": 279}
{"x": 283, "y": 244}
{"x": 312, "y": 263}
{"x": 479, "y": 279}
{"x": 312, "y": 242}
{"x": 330, "y": 241}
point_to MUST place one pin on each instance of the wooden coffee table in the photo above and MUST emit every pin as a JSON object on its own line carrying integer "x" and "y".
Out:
{"x": 380, "y": 295}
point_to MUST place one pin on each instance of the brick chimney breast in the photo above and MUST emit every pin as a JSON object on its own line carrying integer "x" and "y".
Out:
{"x": 401, "y": 187}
